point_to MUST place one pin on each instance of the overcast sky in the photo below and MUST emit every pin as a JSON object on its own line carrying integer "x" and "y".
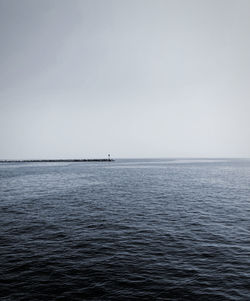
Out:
{"x": 134, "y": 78}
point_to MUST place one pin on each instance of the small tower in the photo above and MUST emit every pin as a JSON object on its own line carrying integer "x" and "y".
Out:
{"x": 109, "y": 157}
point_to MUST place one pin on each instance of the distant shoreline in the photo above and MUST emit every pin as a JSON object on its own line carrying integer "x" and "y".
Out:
{"x": 56, "y": 160}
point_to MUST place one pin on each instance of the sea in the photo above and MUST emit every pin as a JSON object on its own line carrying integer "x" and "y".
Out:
{"x": 132, "y": 229}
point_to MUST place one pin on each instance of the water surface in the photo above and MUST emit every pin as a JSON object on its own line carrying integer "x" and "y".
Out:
{"x": 125, "y": 230}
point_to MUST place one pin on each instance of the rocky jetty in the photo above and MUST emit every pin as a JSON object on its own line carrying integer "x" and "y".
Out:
{"x": 57, "y": 160}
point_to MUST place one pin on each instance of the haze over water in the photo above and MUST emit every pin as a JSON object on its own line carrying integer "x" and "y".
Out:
{"x": 125, "y": 230}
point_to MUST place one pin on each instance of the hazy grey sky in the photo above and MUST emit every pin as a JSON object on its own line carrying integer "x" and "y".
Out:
{"x": 134, "y": 78}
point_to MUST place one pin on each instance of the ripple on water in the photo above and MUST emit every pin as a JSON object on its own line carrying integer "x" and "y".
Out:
{"x": 162, "y": 230}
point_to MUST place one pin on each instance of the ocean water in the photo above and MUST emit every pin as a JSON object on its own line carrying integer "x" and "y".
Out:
{"x": 125, "y": 230}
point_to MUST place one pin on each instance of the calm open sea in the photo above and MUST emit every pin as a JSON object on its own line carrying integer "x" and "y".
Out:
{"x": 125, "y": 230}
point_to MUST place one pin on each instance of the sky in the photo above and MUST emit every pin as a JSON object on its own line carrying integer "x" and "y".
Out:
{"x": 133, "y": 78}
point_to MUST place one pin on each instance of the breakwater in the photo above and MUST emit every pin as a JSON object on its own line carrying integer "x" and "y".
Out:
{"x": 56, "y": 160}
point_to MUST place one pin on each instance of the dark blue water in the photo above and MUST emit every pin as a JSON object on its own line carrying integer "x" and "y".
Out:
{"x": 125, "y": 230}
